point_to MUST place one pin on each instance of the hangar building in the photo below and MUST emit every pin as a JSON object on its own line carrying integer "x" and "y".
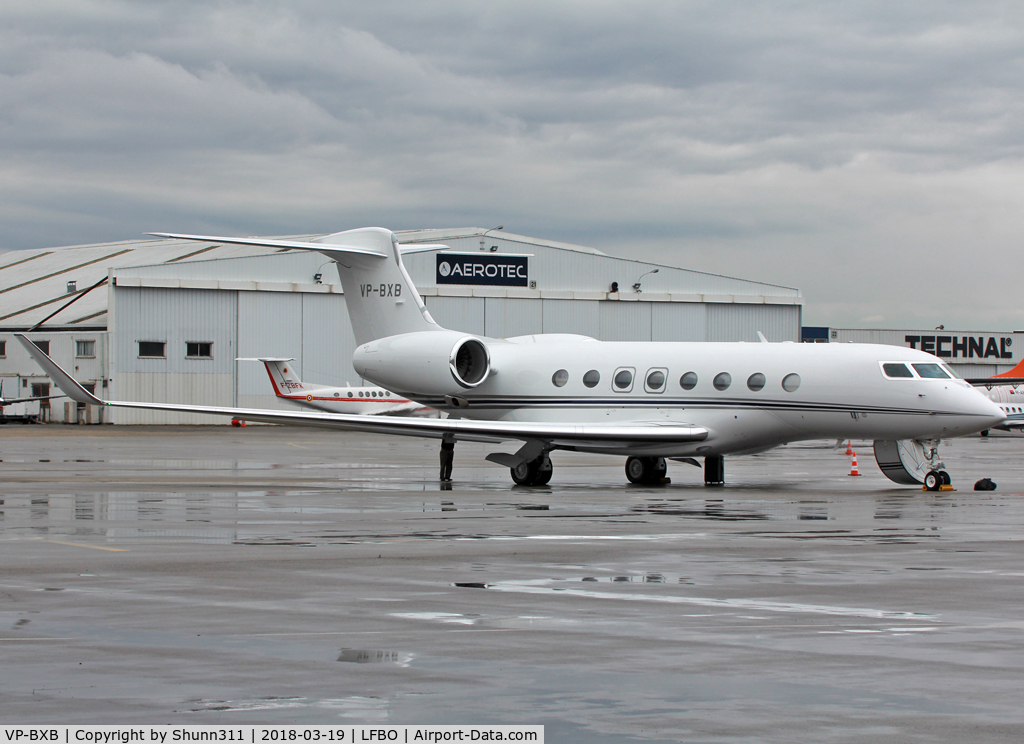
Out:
{"x": 165, "y": 320}
{"x": 968, "y": 353}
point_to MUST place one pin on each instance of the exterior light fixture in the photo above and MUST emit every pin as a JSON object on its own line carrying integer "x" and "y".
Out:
{"x": 636, "y": 287}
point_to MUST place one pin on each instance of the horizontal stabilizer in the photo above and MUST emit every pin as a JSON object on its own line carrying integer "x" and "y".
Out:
{"x": 304, "y": 245}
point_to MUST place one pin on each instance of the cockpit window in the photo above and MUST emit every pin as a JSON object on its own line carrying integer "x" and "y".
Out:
{"x": 933, "y": 371}
{"x": 950, "y": 372}
{"x": 892, "y": 369}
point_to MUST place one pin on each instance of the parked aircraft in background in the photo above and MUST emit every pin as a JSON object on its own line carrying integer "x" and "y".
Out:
{"x": 646, "y": 401}
{"x": 1006, "y": 390}
{"x": 346, "y": 399}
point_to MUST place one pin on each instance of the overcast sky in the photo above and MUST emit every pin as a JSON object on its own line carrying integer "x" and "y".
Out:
{"x": 869, "y": 153}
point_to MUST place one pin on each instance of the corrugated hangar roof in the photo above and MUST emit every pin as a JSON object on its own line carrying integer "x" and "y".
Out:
{"x": 34, "y": 283}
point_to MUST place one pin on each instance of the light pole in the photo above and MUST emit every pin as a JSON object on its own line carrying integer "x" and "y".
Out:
{"x": 636, "y": 287}
{"x": 483, "y": 235}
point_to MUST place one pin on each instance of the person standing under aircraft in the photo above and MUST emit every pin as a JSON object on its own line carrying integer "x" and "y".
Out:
{"x": 447, "y": 458}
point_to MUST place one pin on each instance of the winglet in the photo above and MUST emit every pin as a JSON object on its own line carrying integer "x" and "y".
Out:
{"x": 60, "y": 378}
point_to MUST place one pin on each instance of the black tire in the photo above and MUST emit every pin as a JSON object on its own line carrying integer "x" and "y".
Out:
{"x": 637, "y": 470}
{"x": 536, "y": 472}
{"x": 522, "y": 474}
{"x": 946, "y": 481}
{"x": 932, "y": 480}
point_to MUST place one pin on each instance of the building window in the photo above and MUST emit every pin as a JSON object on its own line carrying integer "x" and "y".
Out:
{"x": 85, "y": 349}
{"x": 756, "y": 381}
{"x": 560, "y": 378}
{"x": 592, "y": 378}
{"x": 688, "y": 381}
{"x": 199, "y": 350}
{"x": 44, "y": 346}
{"x": 152, "y": 350}
{"x": 3, "y": 348}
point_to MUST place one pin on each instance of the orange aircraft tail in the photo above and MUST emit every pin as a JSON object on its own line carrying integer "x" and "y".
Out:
{"x": 1017, "y": 371}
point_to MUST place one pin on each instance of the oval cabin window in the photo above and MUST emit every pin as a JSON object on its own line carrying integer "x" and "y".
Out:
{"x": 560, "y": 378}
{"x": 756, "y": 381}
{"x": 791, "y": 382}
{"x": 688, "y": 381}
{"x": 592, "y": 378}
{"x": 623, "y": 379}
{"x": 722, "y": 381}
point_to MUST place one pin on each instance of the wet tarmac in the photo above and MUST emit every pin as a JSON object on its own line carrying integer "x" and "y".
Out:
{"x": 276, "y": 575}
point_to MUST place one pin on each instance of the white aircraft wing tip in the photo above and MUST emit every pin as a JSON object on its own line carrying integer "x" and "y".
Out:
{"x": 68, "y": 385}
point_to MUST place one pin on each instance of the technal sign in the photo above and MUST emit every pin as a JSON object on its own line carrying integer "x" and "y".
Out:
{"x": 963, "y": 347}
{"x": 490, "y": 269}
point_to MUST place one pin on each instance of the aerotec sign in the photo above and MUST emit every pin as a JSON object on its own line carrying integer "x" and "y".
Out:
{"x": 493, "y": 269}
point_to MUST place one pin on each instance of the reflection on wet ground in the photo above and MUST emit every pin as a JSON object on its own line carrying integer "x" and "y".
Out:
{"x": 340, "y": 583}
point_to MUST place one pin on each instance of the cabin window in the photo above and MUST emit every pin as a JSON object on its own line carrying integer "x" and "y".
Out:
{"x": 350, "y": 394}
{"x": 560, "y": 378}
{"x": 198, "y": 350}
{"x": 722, "y": 381}
{"x": 688, "y": 381}
{"x": 152, "y": 349}
{"x": 623, "y": 380}
{"x": 891, "y": 369}
{"x": 931, "y": 371}
{"x": 592, "y": 378}
{"x": 655, "y": 380}
{"x": 791, "y": 382}
{"x": 756, "y": 381}
{"x": 337, "y": 395}
{"x": 361, "y": 394}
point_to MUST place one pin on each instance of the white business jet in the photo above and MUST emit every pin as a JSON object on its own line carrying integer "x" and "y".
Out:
{"x": 359, "y": 399}
{"x": 647, "y": 401}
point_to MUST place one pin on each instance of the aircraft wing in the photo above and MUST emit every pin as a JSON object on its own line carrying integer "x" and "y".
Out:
{"x": 557, "y": 434}
{"x": 991, "y": 382}
{"x": 9, "y": 401}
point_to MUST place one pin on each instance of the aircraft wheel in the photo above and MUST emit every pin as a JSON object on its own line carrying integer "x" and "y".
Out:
{"x": 932, "y": 480}
{"x": 945, "y": 478}
{"x": 645, "y": 470}
{"x": 521, "y": 474}
{"x": 636, "y": 469}
{"x": 536, "y": 472}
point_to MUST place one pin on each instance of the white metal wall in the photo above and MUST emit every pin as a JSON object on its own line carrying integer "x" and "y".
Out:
{"x": 174, "y": 317}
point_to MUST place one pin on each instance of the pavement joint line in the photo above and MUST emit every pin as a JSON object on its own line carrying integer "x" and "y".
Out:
{"x": 81, "y": 545}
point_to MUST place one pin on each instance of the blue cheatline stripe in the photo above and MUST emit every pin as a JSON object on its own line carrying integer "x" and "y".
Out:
{"x": 512, "y": 402}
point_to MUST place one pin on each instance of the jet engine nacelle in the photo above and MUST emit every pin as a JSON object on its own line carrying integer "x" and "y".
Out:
{"x": 426, "y": 363}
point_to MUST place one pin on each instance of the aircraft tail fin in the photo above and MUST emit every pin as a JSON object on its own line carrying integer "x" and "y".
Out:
{"x": 283, "y": 377}
{"x": 1017, "y": 372}
{"x": 381, "y": 298}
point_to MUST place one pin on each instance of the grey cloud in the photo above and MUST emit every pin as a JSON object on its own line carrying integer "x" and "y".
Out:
{"x": 766, "y": 140}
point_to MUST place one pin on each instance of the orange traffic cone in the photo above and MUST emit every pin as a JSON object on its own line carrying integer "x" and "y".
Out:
{"x": 853, "y": 466}
{"x": 849, "y": 448}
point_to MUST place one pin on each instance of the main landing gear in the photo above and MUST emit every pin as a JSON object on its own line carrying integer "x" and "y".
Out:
{"x": 645, "y": 470}
{"x": 536, "y": 472}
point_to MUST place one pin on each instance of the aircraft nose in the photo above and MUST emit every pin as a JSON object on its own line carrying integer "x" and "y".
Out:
{"x": 990, "y": 412}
